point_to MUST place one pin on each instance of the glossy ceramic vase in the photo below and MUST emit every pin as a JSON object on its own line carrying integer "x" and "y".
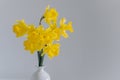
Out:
{"x": 40, "y": 74}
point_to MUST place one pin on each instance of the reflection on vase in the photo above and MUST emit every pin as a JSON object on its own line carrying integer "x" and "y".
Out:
{"x": 40, "y": 74}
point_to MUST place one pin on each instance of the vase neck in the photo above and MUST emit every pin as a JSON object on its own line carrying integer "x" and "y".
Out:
{"x": 41, "y": 68}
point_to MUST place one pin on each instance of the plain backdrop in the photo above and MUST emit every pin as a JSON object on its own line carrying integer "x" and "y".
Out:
{"x": 92, "y": 52}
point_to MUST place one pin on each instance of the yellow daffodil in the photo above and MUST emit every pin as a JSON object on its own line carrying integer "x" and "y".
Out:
{"x": 20, "y": 28}
{"x": 64, "y": 27}
{"x": 31, "y": 46}
{"x": 44, "y": 39}
{"x": 50, "y": 15}
{"x": 52, "y": 50}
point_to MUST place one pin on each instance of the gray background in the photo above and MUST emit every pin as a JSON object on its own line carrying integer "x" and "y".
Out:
{"x": 92, "y": 52}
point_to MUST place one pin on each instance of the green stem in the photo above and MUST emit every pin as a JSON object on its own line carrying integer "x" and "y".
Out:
{"x": 41, "y": 20}
{"x": 40, "y": 58}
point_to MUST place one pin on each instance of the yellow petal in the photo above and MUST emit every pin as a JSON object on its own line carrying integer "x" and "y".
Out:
{"x": 62, "y": 21}
{"x": 64, "y": 34}
{"x": 52, "y": 50}
{"x": 69, "y": 27}
{"x": 20, "y": 28}
{"x": 50, "y": 15}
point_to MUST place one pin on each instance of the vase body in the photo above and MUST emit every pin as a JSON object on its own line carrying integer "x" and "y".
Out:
{"x": 40, "y": 74}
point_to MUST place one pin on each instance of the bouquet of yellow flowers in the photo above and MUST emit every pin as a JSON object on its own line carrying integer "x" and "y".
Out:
{"x": 41, "y": 39}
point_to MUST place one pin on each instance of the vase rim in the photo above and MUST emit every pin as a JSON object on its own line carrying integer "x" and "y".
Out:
{"x": 41, "y": 67}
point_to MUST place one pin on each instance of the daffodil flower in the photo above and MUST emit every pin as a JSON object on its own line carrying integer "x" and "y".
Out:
{"x": 50, "y": 15}
{"x": 20, "y": 28}
{"x": 43, "y": 39}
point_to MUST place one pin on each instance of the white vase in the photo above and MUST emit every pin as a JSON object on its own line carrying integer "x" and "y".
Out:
{"x": 40, "y": 74}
